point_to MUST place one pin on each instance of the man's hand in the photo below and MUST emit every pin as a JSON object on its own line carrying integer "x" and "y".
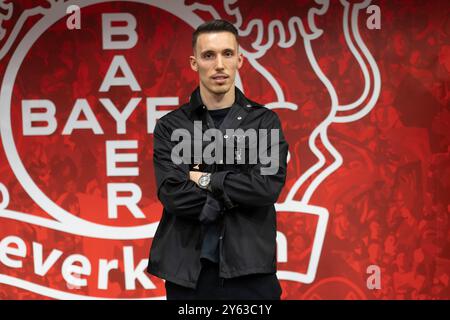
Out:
{"x": 195, "y": 175}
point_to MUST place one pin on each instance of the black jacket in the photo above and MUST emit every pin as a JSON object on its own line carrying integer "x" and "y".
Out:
{"x": 248, "y": 223}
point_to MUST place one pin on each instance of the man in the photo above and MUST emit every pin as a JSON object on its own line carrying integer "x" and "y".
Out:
{"x": 217, "y": 235}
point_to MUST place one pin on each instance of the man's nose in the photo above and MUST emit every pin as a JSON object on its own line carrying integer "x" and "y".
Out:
{"x": 219, "y": 65}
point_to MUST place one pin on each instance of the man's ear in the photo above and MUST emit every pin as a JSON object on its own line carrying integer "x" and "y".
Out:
{"x": 193, "y": 63}
{"x": 240, "y": 60}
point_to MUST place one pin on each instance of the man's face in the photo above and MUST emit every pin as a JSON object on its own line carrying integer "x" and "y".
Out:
{"x": 216, "y": 59}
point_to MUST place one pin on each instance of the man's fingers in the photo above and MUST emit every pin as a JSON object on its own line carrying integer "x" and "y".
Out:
{"x": 195, "y": 175}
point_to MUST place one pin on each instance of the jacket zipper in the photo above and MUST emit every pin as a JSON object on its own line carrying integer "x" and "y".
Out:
{"x": 222, "y": 280}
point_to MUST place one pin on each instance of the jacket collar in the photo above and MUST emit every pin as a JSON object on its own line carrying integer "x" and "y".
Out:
{"x": 195, "y": 101}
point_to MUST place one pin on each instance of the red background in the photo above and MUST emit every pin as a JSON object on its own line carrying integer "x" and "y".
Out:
{"x": 388, "y": 202}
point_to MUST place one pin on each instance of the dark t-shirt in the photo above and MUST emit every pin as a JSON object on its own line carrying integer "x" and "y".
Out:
{"x": 210, "y": 246}
{"x": 218, "y": 115}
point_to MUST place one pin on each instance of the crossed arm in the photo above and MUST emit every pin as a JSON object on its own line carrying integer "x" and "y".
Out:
{"x": 178, "y": 186}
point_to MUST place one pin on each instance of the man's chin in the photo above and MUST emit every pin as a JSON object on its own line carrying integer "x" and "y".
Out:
{"x": 220, "y": 89}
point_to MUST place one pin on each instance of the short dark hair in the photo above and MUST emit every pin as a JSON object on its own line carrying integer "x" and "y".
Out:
{"x": 216, "y": 25}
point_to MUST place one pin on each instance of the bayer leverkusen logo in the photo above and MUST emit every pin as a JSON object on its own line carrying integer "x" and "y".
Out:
{"x": 78, "y": 109}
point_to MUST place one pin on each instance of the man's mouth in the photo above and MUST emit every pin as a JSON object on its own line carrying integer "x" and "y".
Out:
{"x": 220, "y": 77}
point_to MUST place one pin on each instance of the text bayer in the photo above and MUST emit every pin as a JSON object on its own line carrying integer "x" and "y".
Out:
{"x": 39, "y": 116}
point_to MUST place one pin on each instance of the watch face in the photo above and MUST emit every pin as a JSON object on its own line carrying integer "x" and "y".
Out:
{"x": 203, "y": 181}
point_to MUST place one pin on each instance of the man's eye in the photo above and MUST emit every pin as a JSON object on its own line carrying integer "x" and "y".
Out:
{"x": 229, "y": 54}
{"x": 208, "y": 56}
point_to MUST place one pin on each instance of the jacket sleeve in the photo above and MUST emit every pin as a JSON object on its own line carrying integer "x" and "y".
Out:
{"x": 178, "y": 194}
{"x": 252, "y": 188}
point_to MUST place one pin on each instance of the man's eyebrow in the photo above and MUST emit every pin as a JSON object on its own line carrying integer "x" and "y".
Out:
{"x": 212, "y": 51}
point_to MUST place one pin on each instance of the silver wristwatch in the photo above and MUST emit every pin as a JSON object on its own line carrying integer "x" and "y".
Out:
{"x": 204, "y": 181}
